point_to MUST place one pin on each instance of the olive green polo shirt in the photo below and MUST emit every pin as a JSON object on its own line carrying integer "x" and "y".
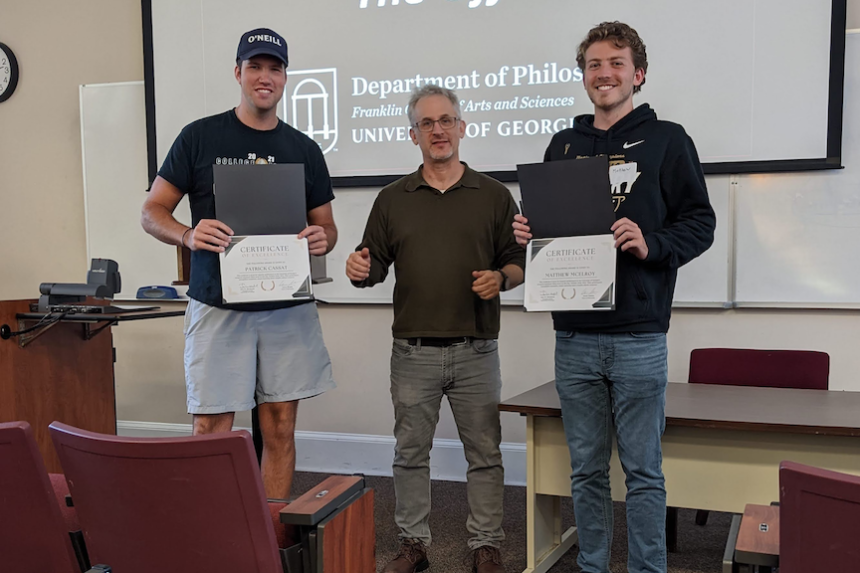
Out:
{"x": 435, "y": 240}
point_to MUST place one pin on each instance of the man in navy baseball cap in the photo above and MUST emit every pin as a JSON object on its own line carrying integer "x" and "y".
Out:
{"x": 261, "y": 41}
{"x": 237, "y": 356}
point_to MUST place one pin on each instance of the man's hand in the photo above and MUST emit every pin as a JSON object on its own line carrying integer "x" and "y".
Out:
{"x": 317, "y": 239}
{"x": 629, "y": 237}
{"x": 208, "y": 235}
{"x": 522, "y": 231}
{"x": 487, "y": 284}
{"x": 358, "y": 265}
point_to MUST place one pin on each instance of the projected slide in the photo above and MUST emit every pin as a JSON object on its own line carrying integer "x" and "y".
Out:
{"x": 719, "y": 67}
{"x": 373, "y": 112}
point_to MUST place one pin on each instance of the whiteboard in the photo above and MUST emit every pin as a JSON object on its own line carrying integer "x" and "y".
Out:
{"x": 797, "y": 233}
{"x": 706, "y": 281}
{"x": 113, "y": 144}
{"x": 703, "y": 282}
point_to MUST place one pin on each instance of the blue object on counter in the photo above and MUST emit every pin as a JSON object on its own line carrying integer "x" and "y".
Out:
{"x": 157, "y": 292}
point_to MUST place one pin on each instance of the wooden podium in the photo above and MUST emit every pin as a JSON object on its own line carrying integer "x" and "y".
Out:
{"x": 57, "y": 376}
{"x": 62, "y": 371}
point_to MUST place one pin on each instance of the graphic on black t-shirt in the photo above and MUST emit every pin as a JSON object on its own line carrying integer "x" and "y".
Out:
{"x": 252, "y": 159}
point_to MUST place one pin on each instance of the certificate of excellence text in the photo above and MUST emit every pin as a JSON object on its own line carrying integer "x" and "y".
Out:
{"x": 572, "y": 273}
{"x": 261, "y": 268}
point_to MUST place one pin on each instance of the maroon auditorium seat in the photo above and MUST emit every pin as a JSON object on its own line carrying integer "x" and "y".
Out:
{"x": 769, "y": 368}
{"x": 34, "y": 537}
{"x": 819, "y": 520}
{"x": 171, "y": 504}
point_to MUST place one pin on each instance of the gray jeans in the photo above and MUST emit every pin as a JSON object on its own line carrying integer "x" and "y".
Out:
{"x": 470, "y": 376}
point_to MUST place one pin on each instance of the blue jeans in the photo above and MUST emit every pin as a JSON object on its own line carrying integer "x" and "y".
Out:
{"x": 605, "y": 380}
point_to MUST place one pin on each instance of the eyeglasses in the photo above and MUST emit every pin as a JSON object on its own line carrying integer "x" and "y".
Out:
{"x": 445, "y": 122}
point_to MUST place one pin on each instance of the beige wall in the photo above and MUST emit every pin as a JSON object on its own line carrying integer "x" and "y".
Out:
{"x": 59, "y": 46}
{"x": 62, "y": 44}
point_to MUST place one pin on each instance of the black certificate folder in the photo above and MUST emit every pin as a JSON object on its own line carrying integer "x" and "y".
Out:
{"x": 568, "y": 198}
{"x": 261, "y": 199}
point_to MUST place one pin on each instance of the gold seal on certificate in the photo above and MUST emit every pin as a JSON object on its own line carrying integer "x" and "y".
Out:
{"x": 573, "y": 273}
{"x": 263, "y": 268}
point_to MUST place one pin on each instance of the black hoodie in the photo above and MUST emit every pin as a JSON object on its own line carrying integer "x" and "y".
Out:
{"x": 665, "y": 195}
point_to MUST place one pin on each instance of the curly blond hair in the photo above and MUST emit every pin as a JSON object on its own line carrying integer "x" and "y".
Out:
{"x": 623, "y": 36}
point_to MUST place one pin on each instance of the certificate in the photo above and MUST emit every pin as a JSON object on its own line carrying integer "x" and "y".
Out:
{"x": 573, "y": 273}
{"x": 265, "y": 268}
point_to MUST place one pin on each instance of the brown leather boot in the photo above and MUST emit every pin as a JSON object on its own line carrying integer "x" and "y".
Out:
{"x": 411, "y": 558}
{"x": 487, "y": 560}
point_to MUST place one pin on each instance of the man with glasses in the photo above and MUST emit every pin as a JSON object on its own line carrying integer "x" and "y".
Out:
{"x": 446, "y": 229}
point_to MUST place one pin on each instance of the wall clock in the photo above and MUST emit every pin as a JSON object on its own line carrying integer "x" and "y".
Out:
{"x": 8, "y": 72}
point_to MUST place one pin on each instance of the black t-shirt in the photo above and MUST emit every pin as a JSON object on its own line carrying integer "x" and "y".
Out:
{"x": 224, "y": 140}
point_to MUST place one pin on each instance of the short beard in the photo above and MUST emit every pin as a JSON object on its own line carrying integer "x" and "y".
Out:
{"x": 441, "y": 157}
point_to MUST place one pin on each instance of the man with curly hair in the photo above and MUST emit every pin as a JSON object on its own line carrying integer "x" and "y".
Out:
{"x": 611, "y": 366}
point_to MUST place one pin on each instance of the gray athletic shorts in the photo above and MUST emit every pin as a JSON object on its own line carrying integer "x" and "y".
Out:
{"x": 235, "y": 359}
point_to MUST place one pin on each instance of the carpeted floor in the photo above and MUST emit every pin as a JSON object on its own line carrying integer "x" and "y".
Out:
{"x": 700, "y": 549}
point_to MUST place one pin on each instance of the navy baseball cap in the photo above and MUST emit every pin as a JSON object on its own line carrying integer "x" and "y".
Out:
{"x": 262, "y": 41}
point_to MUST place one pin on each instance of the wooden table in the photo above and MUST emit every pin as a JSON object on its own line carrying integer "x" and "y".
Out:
{"x": 721, "y": 450}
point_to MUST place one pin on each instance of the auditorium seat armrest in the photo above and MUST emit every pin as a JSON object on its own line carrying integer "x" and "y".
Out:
{"x": 318, "y": 503}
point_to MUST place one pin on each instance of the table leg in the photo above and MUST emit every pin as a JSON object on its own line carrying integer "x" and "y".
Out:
{"x": 729, "y": 565}
{"x": 545, "y": 541}
{"x": 671, "y": 529}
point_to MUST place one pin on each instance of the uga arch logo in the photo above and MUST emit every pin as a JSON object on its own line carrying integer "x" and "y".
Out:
{"x": 311, "y": 106}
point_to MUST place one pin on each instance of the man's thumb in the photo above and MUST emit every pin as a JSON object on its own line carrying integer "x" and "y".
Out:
{"x": 365, "y": 253}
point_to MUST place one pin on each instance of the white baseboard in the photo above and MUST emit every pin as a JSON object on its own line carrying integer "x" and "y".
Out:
{"x": 332, "y": 453}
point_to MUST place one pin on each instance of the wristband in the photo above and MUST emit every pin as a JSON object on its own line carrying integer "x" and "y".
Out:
{"x": 183, "y": 237}
{"x": 504, "y": 286}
